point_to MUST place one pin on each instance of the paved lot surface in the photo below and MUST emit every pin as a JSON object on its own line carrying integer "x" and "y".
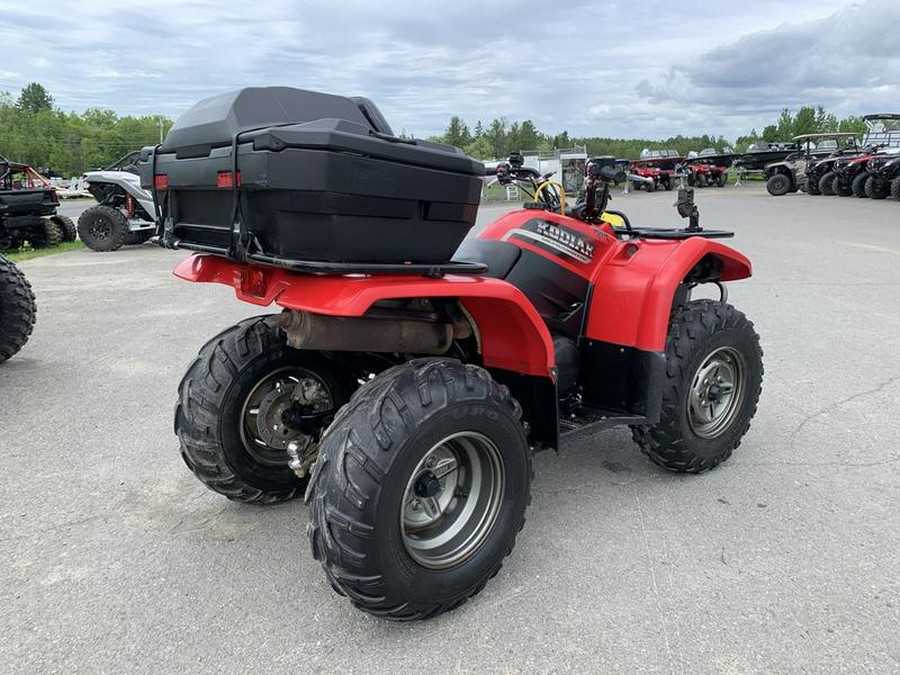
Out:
{"x": 114, "y": 558}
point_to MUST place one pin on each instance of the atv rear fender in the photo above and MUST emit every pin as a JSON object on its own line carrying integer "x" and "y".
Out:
{"x": 634, "y": 293}
{"x": 513, "y": 340}
{"x": 511, "y": 333}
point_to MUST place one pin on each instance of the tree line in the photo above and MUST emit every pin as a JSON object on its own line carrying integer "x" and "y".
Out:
{"x": 501, "y": 137}
{"x": 34, "y": 131}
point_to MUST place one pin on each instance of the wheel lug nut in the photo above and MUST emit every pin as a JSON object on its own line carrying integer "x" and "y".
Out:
{"x": 431, "y": 462}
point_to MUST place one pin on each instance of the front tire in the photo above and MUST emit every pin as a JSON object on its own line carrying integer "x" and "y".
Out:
{"x": 714, "y": 374}
{"x": 420, "y": 489}
{"x": 243, "y": 399}
{"x": 103, "y": 228}
{"x": 778, "y": 185}
{"x": 840, "y": 188}
{"x": 895, "y": 189}
{"x": 17, "y": 309}
{"x": 858, "y": 186}
{"x": 826, "y": 184}
{"x": 876, "y": 188}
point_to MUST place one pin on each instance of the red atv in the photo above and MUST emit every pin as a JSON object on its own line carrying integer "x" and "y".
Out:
{"x": 708, "y": 168}
{"x": 659, "y": 167}
{"x": 405, "y": 392}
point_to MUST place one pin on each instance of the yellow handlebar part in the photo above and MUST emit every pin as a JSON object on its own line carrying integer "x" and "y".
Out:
{"x": 613, "y": 219}
{"x": 558, "y": 186}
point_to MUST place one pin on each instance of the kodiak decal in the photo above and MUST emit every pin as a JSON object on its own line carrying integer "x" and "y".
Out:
{"x": 555, "y": 239}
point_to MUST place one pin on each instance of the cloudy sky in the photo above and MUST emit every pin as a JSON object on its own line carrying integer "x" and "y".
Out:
{"x": 644, "y": 68}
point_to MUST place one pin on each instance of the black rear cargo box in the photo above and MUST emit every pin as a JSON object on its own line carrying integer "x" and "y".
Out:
{"x": 318, "y": 178}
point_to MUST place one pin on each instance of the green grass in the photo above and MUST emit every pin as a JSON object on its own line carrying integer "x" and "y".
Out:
{"x": 29, "y": 253}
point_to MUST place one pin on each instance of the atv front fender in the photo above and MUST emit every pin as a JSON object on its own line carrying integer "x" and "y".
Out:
{"x": 511, "y": 333}
{"x": 633, "y": 295}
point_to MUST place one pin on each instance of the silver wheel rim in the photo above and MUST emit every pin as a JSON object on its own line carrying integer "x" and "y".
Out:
{"x": 263, "y": 430}
{"x": 452, "y": 500}
{"x": 717, "y": 392}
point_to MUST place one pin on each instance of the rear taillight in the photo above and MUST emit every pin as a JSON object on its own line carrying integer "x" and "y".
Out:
{"x": 224, "y": 179}
{"x": 254, "y": 281}
{"x": 161, "y": 181}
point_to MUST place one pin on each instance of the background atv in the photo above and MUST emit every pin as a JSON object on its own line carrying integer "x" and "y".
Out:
{"x": 124, "y": 214}
{"x": 17, "y": 309}
{"x": 708, "y": 167}
{"x": 884, "y": 177}
{"x": 849, "y": 176}
{"x": 28, "y": 204}
{"x": 404, "y": 388}
{"x": 657, "y": 168}
{"x": 795, "y": 171}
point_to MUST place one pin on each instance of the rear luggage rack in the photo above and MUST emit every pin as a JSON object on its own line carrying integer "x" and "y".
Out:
{"x": 326, "y": 267}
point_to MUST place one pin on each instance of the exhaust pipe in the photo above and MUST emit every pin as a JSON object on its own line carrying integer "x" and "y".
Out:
{"x": 320, "y": 332}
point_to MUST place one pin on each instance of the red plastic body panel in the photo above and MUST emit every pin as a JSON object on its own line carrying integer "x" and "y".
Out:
{"x": 513, "y": 335}
{"x": 634, "y": 282}
{"x": 633, "y": 296}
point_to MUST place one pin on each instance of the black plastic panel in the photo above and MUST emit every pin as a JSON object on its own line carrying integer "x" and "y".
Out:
{"x": 558, "y": 294}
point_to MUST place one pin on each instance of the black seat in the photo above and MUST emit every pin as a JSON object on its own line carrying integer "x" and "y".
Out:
{"x": 499, "y": 256}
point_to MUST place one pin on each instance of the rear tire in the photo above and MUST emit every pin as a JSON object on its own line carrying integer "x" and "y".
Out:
{"x": 858, "y": 186}
{"x": 713, "y": 360}
{"x": 17, "y": 309}
{"x": 66, "y": 226}
{"x": 650, "y": 187}
{"x": 812, "y": 187}
{"x": 895, "y": 188}
{"x": 826, "y": 184}
{"x": 721, "y": 179}
{"x": 778, "y": 185}
{"x": 420, "y": 489}
{"x": 103, "y": 228}
{"x": 230, "y": 417}
{"x": 45, "y": 235}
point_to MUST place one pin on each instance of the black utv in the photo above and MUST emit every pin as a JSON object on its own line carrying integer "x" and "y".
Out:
{"x": 28, "y": 206}
{"x": 798, "y": 170}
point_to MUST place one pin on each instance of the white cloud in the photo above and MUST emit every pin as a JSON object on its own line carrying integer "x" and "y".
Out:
{"x": 652, "y": 68}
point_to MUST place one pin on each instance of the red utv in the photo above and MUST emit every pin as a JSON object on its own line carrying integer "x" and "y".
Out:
{"x": 410, "y": 374}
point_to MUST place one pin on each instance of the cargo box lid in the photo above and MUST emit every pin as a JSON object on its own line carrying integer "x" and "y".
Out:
{"x": 215, "y": 121}
{"x": 340, "y": 135}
